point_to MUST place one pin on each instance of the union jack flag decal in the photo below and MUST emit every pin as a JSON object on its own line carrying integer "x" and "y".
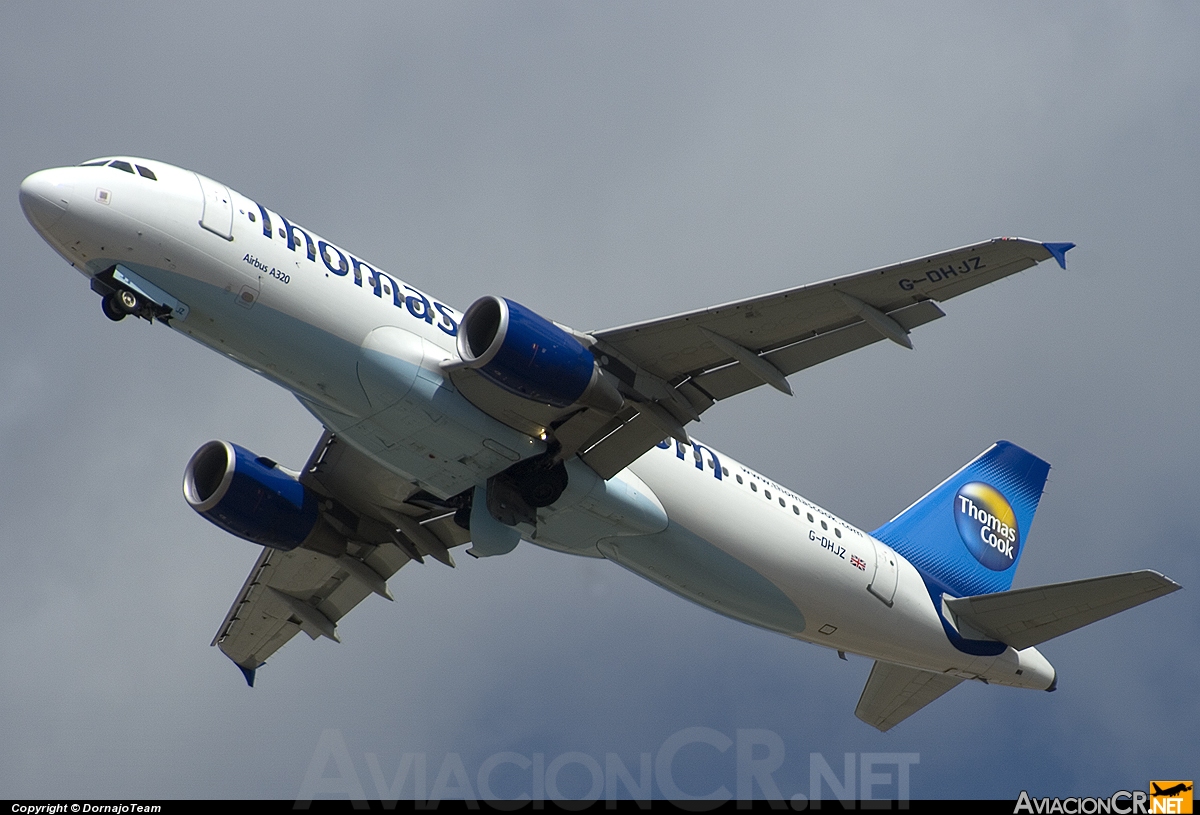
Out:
{"x": 858, "y": 562}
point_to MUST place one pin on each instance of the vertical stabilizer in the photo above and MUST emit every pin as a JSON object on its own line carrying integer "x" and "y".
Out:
{"x": 967, "y": 534}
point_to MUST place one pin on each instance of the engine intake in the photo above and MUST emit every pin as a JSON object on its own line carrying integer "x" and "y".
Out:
{"x": 249, "y": 496}
{"x": 526, "y": 354}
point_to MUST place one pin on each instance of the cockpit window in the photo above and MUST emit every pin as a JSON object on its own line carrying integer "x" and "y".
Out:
{"x": 145, "y": 172}
{"x": 99, "y": 163}
{"x": 122, "y": 165}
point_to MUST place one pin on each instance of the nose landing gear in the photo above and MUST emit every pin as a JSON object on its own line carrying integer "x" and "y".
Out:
{"x": 123, "y": 293}
{"x": 120, "y": 303}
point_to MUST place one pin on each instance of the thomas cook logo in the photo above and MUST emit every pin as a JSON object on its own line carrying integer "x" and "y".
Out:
{"x": 987, "y": 524}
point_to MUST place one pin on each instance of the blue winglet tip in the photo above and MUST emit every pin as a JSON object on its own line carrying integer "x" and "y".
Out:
{"x": 248, "y": 673}
{"x": 1059, "y": 251}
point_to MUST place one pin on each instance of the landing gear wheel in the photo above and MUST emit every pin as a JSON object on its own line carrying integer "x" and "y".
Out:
{"x": 542, "y": 488}
{"x": 127, "y": 301}
{"x": 111, "y": 310}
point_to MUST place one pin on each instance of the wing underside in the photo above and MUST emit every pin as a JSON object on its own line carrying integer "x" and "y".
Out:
{"x": 368, "y": 531}
{"x": 290, "y": 592}
{"x": 671, "y": 370}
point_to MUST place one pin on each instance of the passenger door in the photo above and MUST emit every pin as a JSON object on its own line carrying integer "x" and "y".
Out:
{"x": 218, "y": 208}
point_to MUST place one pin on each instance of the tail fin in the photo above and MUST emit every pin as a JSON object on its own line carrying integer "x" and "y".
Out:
{"x": 967, "y": 534}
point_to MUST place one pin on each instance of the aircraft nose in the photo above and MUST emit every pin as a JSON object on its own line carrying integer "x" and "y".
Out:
{"x": 46, "y": 196}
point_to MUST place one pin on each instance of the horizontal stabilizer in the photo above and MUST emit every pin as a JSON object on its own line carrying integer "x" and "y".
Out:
{"x": 1026, "y": 617}
{"x": 895, "y": 692}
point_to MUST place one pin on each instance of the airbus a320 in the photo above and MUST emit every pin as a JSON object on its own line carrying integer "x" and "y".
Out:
{"x": 497, "y": 425}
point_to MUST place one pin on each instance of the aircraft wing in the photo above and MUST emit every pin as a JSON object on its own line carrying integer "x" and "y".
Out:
{"x": 370, "y": 530}
{"x": 895, "y": 692}
{"x": 682, "y": 364}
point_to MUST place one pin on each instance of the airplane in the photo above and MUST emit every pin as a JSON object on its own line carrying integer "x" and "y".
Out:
{"x": 497, "y": 425}
{"x": 1170, "y": 792}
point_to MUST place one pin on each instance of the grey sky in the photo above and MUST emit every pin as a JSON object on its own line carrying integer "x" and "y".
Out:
{"x": 603, "y": 163}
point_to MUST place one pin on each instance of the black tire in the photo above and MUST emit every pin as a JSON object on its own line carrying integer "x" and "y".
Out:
{"x": 127, "y": 301}
{"x": 543, "y": 487}
{"x": 111, "y": 310}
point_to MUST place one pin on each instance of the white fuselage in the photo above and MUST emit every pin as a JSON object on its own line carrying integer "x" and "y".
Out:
{"x": 362, "y": 349}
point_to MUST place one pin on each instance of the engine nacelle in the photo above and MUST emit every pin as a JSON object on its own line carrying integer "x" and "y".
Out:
{"x": 528, "y": 355}
{"x": 249, "y": 496}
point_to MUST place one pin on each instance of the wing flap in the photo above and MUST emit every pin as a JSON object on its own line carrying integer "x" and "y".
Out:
{"x": 1026, "y": 617}
{"x": 624, "y": 446}
{"x": 895, "y": 692}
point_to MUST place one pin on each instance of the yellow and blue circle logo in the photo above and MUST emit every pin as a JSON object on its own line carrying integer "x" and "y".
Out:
{"x": 987, "y": 524}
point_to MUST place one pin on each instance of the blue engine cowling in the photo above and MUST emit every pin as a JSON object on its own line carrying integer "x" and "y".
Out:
{"x": 249, "y": 496}
{"x": 528, "y": 355}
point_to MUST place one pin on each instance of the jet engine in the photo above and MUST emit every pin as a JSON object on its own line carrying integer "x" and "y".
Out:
{"x": 526, "y": 354}
{"x": 249, "y": 496}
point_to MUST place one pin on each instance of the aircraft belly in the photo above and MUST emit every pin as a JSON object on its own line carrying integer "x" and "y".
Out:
{"x": 592, "y": 509}
{"x": 431, "y": 435}
{"x": 772, "y": 542}
{"x": 303, "y": 358}
{"x": 445, "y": 456}
{"x": 686, "y": 564}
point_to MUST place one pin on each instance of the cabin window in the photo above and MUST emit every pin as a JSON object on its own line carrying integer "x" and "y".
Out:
{"x": 782, "y": 502}
{"x": 767, "y": 493}
{"x": 252, "y": 218}
{"x": 810, "y": 518}
{"x": 837, "y": 531}
{"x": 739, "y": 479}
{"x": 824, "y": 525}
{"x": 122, "y": 165}
{"x": 795, "y": 509}
{"x": 753, "y": 487}
{"x": 146, "y": 172}
{"x": 725, "y": 472}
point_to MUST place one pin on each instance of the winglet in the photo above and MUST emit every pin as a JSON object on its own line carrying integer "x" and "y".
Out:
{"x": 1059, "y": 251}
{"x": 248, "y": 673}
